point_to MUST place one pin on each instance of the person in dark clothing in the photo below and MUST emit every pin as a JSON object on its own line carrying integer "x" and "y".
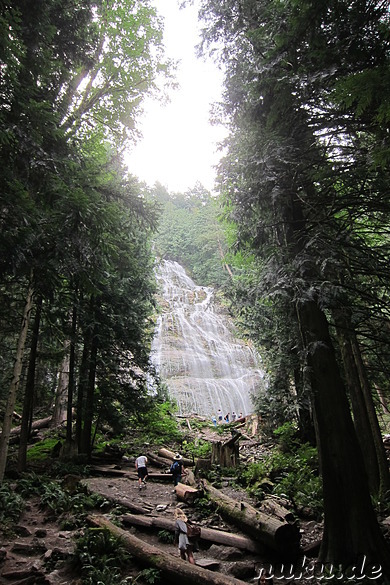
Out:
{"x": 177, "y": 469}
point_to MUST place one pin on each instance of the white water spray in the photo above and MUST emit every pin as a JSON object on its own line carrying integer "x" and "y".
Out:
{"x": 196, "y": 350}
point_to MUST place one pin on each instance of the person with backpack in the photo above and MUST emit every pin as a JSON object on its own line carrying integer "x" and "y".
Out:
{"x": 181, "y": 536}
{"x": 177, "y": 469}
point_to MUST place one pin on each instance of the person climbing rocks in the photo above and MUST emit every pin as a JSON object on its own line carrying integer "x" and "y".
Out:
{"x": 141, "y": 466}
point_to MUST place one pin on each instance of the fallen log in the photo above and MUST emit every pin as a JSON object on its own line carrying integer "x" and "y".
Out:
{"x": 172, "y": 568}
{"x": 126, "y": 503}
{"x": 113, "y": 472}
{"x": 107, "y": 471}
{"x": 187, "y": 493}
{"x": 208, "y": 534}
{"x": 159, "y": 461}
{"x": 171, "y": 455}
{"x": 273, "y": 532}
{"x": 272, "y": 507}
{"x": 37, "y": 424}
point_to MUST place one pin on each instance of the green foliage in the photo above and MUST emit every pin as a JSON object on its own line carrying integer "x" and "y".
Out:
{"x": 190, "y": 233}
{"x": 198, "y": 448}
{"x": 60, "y": 469}
{"x": 290, "y": 471}
{"x": 149, "y": 576}
{"x": 166, "y": 536}
{"x": 156, "y": 424}
{"x": 58, "y": 500}
{"x": 287, "y": 437}
{"x": 11, "y": 506}
{"x": 99, "y": 556}
{"x": 204, "y": 507}
{"x": 41, "y": 450}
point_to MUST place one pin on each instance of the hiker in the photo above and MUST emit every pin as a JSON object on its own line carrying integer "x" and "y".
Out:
{"x": 234, "y": 416}
{"x": 220, "y": 416}
{"x": 177, "y": 469}
{"x": 227, "y": 418}
{"x": 141, "y": 466}
{"x": 181, "y": 538}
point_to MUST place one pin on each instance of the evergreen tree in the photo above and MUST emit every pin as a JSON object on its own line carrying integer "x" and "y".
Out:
{"x": 286, "y": 183}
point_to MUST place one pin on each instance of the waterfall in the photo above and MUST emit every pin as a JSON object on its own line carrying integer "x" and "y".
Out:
{"x": 196, "y": 351}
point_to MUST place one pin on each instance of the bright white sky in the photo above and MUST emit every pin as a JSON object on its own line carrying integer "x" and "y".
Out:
{"x": 179, "y": 146}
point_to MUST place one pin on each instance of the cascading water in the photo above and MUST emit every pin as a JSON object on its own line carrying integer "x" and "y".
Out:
{"x": 196, "y": 351}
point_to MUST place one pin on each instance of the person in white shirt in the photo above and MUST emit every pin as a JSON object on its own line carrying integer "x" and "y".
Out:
{"x": 141, "y": 466}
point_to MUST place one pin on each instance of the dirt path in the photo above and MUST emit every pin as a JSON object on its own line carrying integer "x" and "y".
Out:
{"x": 41, "y": 550}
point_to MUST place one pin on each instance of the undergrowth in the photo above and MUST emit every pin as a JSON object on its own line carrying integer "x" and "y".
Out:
{"x": 100, "y": 557}
{"x": 290, "y": 472}
{"x": 11, "y": 506}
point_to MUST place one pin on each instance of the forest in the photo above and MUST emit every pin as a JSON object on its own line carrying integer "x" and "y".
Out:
{"x": 295, "y": 239}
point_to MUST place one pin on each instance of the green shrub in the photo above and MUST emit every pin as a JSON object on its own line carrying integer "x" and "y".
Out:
{"x": 41, "y": 450}
{"x": 149, "y": 575}
{"x": 11, "y": 506}
{"x": 55, "y": 498}
{"x": 100, "y": 557}
{"x": 157, "y": 425}
{"x": 166, "y": 536}
{"x": 287, "y": 437}
{"x": 290, "y": 471}
{"x": 201, "y": 449}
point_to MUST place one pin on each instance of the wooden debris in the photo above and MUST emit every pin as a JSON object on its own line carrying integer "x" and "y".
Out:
{"x": 187, "y": 493}
{"x": 159, "y": 461}
{"x": 171, "y": 455}
{"x": 226, "y": 454}
{"x": 174, "y": 570}
{"x": 37, "y": 424}
{"x": 273, "y": 507}
{"x": 126, "y": 503}
{"x": 273, "y": 532}
{"x": 207, "y": 534}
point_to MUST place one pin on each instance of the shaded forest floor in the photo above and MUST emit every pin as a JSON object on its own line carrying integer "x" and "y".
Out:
{"x": 40, "y": 549}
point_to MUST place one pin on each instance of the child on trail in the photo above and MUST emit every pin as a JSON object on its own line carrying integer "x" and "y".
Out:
{"x": 142, "y": 470}
{"x": 181, "y": 538}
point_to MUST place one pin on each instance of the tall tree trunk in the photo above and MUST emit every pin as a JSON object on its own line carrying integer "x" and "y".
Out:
{"x": 4, "y": 438}
{"x": 360, "y": 417}
{"x": 82, "y": 387}
{"x": 60, "y": 405}
{"x": 364, "y": 414}
{"x": 71, "y": 387}
{"x": 351, "y": 529}
{"x": 86, "y": 436}
{"x": 25, "y": 426}
{"x": 381, "y": 458}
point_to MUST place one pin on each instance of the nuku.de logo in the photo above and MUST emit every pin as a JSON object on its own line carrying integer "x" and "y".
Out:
{"x": 310, "y": 570}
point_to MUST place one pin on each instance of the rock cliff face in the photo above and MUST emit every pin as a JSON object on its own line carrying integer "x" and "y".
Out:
{"x": 197, "y": 352}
